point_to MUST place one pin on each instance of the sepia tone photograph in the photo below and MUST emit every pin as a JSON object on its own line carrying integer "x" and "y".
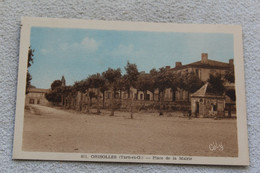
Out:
{"x": 120, "y": 92}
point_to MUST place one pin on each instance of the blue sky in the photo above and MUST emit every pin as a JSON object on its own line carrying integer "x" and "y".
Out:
{"x": 78, "y": 53}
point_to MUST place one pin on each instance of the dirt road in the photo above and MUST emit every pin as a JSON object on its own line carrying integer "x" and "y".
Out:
{"x": 55, "y": 130}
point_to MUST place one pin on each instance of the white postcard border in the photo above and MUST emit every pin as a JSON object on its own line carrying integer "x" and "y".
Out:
{"x": 28, "y": 22}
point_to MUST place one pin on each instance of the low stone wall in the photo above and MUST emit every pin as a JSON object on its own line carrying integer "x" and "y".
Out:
{"x": 125, "y": 105}
{"x": 143, "y": 105}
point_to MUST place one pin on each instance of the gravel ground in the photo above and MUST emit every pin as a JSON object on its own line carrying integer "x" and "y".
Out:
{"x": 55, "y": 130}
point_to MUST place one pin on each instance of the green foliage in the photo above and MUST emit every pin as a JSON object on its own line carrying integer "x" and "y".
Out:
{"x": 54, "y": 96}
{"x": 130, "y": 80}
{"x": 112, "y": 76}
{"x": 28, "y": 82}
{"x": 67, "y": 90}
{"x": 81, "y": 86}
{"x": 230, "y": 76}
{"x": 29, "y": 63}
{"x": 30, "y": 57}
{"x": 104, "y": 87}
{"x": 58, "y": 91}
{"x": 131, "y": 74}
{"x": 190, "y": 82}
{"x": 55, "y": 84}
{"x": 164, "y": 78}
{"x": 96, "y": 81}
{"x": 92, "y": 94}
{"x": 144, "y": 83}
{"x": 126, "y": 83}
{"x": 216, "y": 84}
{"x": 153, "y": 72}
{"x": 153, "y": 78}
{"x": 232, "y": 94}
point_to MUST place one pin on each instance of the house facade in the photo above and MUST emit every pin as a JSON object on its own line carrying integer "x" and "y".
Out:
{"x": 206, "y": 104}
{"x": 178, "y": 100}
{"x": 36, "y": 96}
{"x": 202, "y": 69}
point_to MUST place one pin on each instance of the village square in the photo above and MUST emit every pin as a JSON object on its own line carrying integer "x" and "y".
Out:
{"x": 180, "y": 110}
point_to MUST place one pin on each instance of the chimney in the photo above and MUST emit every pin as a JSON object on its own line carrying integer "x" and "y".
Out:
{"x": 178, "y": 64}
{"x": 231, "y": 62}
{"x": 204, "y": 58}
{"x": 168, "y": 67}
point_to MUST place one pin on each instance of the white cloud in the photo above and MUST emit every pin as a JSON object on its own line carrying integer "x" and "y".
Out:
{"x": 90, "y": 44}
{"x": 64, "y": 46}
{"x": 124, "y": 50}
{"x": 44, "y": 51}
{"x": 87, "y": 44}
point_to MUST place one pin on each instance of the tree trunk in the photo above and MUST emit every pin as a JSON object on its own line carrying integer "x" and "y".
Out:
{"x": 88, "y": 102}
{"x": 81, "y": 101}
{"x": 98, "y": 100}
{"x": 103, "y": 99}
{"x": 112, "y": 104}
{"x": 173, "y": 95}
{"x": 62, "y": 100}
{"x": 161, "y": 102}
{"x": 159, "y": 96}
{"x": 128, "y": 91}
{"x": 132, "y": 105}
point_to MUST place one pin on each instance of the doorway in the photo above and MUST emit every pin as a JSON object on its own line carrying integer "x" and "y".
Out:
{"x": 197, "y": 108}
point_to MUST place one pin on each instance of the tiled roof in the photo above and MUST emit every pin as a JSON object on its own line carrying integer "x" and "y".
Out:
{"x": 203, "y": 92}
{"x": 38, "y": 90}
{"x": 208, "y": 64}
{"x": 211, "y": 63}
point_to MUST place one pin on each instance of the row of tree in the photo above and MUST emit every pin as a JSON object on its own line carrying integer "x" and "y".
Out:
{"x": 113, "y": 80}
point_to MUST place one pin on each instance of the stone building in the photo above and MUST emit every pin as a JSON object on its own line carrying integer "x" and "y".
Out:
{"x": 36, "y": 96}
{"x": 202, "y": 69}
{"x": 179, "y": 98}
{"x": 206, "y": 104}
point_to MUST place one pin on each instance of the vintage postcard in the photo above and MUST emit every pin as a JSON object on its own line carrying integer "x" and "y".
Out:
{"x": 130, "y": 92}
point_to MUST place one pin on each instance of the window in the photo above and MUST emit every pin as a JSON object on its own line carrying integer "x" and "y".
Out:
{"x": 214, "y": 107}
{"x": 147, "y": 96}
{"x": 173, "y": 96}
{"x": 198, "y": 73}
{"x": 31, "y": 101}
{"x": 141, "y": 96}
